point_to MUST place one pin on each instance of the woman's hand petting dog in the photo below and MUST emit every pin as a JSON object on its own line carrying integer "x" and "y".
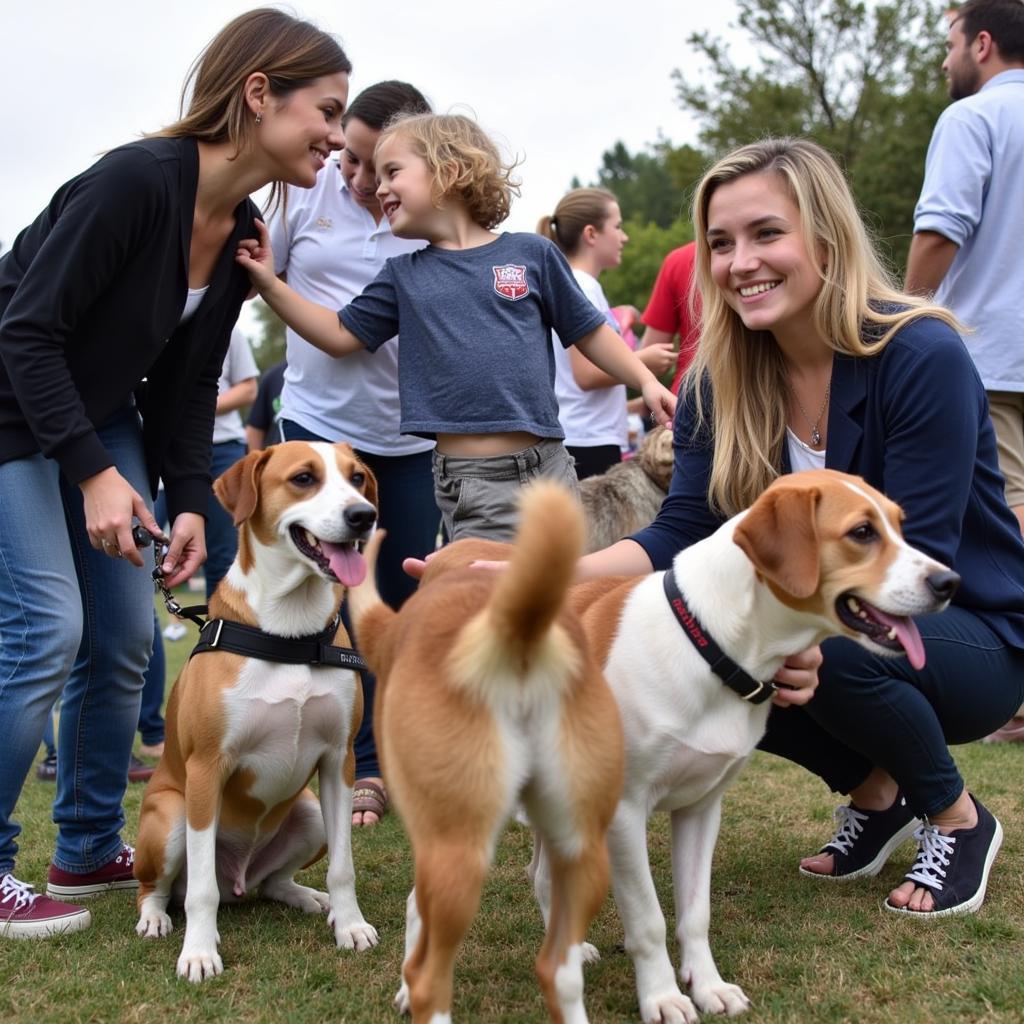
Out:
{"x": 798, "y": 678}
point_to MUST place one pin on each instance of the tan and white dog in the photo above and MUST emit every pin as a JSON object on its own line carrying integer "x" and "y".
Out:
{"x": 487, "y": 694}
{"x": 819, "y": 554}
{"x": 228, "y": 809}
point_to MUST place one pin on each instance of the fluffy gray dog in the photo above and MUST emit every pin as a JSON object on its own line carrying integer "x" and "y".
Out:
{"x": 627, "y": 497}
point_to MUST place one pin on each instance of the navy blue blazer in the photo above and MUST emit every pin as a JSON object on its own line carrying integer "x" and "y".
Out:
{"x": 913, "y": 421}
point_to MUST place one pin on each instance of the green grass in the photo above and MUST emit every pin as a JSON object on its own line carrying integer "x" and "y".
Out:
{"x": 804, "y": 951}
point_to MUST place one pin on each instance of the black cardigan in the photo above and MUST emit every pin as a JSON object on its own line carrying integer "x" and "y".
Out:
{"x": 90, "y": 298}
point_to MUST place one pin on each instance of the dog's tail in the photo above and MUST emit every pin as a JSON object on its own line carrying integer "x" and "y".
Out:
{"x": 516, "y": 633}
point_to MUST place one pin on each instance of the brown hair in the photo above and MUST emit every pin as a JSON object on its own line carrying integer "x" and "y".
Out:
{"x": 575, "y": 210}
{"x": 464, "y": 162}
{"x": 1003, "y": 20}
{"x": 377, "y": 104}
{"x": 291, "y": 53}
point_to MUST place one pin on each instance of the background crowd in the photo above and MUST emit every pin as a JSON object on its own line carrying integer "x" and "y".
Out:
{"x": 788, "y": 343}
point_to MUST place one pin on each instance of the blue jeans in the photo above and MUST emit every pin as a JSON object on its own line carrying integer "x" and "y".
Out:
{"x": 74, "y": 622}
{"x": 873, "y": 711}
{"x": 221, "y": 533}
{"x": 405, "y": 493}
{"x": 151, "y": 721}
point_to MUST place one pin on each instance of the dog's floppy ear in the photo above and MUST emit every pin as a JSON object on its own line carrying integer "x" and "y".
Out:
{"x": 780, "y": 536}
{"x": 370, "y": 489}
{"x": 237, "y": 489}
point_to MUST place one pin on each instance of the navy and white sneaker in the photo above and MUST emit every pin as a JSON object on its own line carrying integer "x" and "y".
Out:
{"x": 954, "y": 868}
{"x": 865, "y": 840}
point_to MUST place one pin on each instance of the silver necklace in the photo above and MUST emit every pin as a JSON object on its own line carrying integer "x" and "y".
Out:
{"x": 815, "y": 432}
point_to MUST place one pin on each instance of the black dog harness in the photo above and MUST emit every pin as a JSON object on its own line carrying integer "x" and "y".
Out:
{"x": 720, "y": 663}
{"x": 318, "y": 649}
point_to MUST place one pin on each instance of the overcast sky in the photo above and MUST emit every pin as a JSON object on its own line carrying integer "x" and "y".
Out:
{"x": 554, "y": 81}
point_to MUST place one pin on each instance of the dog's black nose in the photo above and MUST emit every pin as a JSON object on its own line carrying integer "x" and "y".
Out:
{"x": 360, "y": 517}
{"x": 943, "y": 584}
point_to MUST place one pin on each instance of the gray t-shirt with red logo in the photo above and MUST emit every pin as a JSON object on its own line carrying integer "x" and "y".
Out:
{"x": 476, "y": 333}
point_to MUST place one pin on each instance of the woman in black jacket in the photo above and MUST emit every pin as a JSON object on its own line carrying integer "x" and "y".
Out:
{"x": 116, "y": 307}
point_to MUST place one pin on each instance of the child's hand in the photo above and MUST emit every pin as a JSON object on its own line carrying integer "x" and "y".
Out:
{"x": 657, "y": 358}
{"x": 256, "y": 256}
{"x": 660, "y": 401}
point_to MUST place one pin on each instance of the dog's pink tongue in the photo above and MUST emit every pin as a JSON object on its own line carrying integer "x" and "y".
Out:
{"x": 346, "y": 563}
{"x": 906, "y": 633}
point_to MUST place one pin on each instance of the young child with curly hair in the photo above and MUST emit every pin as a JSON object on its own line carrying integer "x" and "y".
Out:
{"x": 475, "y": 310}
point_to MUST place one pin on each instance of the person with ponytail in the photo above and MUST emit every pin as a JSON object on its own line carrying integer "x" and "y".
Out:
{"x": 587, "y": 227}
{"x": 116, "y": 309}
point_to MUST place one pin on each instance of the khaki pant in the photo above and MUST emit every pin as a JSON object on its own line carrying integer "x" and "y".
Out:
{"x": 479, "y": 497}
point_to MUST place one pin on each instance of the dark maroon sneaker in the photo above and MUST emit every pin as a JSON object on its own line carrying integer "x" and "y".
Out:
{"x": 25, "y": 914}
{"x": 138, "y": 770}
{"x": 115, "y": 875}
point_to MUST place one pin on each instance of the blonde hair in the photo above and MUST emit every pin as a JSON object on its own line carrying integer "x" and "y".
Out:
{"x": 291, "y": 53}
{"x": 858, "y": 310}
{"x": 575, "y": 211}
{"x": 464, "y": 162}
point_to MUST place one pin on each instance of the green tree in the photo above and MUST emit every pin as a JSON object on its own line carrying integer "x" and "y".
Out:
{"x": 642, "y": 183}
{"x": 654, "y": 189}
{"x": 630, "y": 283}
{"x": 862, "y": 79}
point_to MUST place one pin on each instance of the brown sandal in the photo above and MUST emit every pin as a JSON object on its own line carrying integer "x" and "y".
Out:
{"x": 369, "y": 796}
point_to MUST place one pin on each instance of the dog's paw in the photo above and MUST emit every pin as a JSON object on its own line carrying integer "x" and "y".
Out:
{"x": 401, "y": 1000}
{"x": 357, "y": 935}
{"x": 668, "y": 1008}
{"x": 195, "y": 965}
{"x": 720, "y": 998}
{"x": 302, "y": 897}
{"x": 154, "y": 924}
{"x": 589, "y": 953}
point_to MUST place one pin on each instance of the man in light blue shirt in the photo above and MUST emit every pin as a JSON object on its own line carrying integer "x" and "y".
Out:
{"x": 968, "y": 245}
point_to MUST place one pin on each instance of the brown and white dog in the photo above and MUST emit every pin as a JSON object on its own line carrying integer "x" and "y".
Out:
{"x": 628, "y": 496}
{"x": 819, "y": 554}
{"x": 228, "y": 809}
{"x": 487, "y": 694}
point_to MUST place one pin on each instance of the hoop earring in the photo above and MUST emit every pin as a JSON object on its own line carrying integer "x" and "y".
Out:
{"x": 259, "y": 119}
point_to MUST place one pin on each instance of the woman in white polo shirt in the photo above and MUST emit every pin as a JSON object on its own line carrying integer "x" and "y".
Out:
{"x": 329, "y": 242}
{"x": 587, "y": 227}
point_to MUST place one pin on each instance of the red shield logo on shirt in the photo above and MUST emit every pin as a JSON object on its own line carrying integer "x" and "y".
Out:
{"x": 510, "y": 281}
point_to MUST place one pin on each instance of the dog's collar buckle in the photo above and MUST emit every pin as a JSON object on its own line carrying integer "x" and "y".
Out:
{"x": 745, "y": 685}
{"x": 219, "y": 623}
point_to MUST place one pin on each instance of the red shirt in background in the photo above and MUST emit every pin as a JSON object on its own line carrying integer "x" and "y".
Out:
{"x": 669, "y": 306}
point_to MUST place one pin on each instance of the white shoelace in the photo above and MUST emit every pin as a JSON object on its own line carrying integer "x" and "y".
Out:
{"x": 128, "y": 853}
{"x": 20, "y": 892}
{"x": 934, "y": 850}
{"x": 850, "y": 827}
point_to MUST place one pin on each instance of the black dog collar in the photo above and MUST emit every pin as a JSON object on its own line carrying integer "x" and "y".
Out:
{"x": 222, "y": 635}
{"x": 720, "y": 663}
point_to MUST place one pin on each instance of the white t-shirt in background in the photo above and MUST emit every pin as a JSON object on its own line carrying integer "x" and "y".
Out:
{"x": 589, "y": 418}
{"x": 239, "y": 365}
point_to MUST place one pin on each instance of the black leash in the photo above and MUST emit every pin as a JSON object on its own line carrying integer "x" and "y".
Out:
{"x": 721, "y": 664}
{"x": 222, "y": 635}
{"x": 143, "y": 538}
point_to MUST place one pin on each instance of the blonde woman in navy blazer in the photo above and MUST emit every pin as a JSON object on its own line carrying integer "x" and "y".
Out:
{"x": 809, "y": 357}
{"x": 116, "y": 307}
